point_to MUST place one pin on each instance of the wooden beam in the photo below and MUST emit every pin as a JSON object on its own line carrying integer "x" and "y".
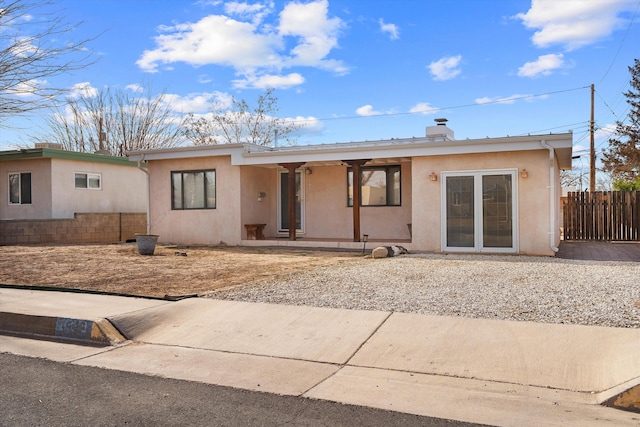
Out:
{"x": 291, "y": 200}
{"x": 356, "y": 167}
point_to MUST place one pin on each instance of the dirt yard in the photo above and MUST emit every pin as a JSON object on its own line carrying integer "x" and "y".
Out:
{"x": 172, "y": 271}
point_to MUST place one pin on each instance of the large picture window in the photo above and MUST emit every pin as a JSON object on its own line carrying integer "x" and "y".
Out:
{"x": 20, "y": 188}
{"x": 380, "y": 186}
{"x": 193, "y": 189}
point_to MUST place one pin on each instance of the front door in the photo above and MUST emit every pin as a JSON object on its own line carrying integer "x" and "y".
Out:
{"x": 479, "y": 211}
{"x": 283, "y": 202}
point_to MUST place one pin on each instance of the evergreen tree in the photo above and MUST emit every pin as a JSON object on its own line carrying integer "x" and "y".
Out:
{"x": 622, "y": 158}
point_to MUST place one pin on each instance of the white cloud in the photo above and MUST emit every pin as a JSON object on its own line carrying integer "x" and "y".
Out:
{"x": 308, "y": 125}
{"x": 304, "y": 36}
{"x": 317, "y": 34}
{"x": 574, "y": 23}
{"x": 269, "y": 81}
{"x": 503, "y": 100}
{"x": 392, "y": 29}
{"x": 367, "y": 110}
{"x": 424, "y": 108}
{"x": 445, "y": 68}
{"x": 198, "y": 102}
{"x": 255, "y": 12}
{"x": 83, "y": 89}
{"x": 135, "y": 87}
{"x": 543, "y": 66}
{"x": 214, "y": 39}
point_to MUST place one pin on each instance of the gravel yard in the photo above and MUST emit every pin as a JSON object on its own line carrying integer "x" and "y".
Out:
{"x": 522, "y": 288}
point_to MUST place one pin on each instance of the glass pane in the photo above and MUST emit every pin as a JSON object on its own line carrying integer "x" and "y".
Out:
{"x": 193, "y": 187}
{"x": 394, "y": 186}
{"x": 497, "y": 221}
{"x": 460, "y": 222}
{"x": 374, "y": 187}
{"x": 349, "y": 187}
{"x": 176, "y": 190}
{"x": 210, "y": 187}
{"x": 284, "y": 201}
{"x": 14, "y": 188}
{"x": 25, "y": 188}
{"x": 81, "y": 180}
{"x": 94, "y": 181}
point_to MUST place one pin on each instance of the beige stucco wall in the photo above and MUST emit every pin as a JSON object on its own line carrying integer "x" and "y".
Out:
{"x": 123, "y": 189}
{"x": 326, "y": 214}
{"x": 40, "y": 207}
{"x": 533, "y": 196}
{"x": 198, "y": 226}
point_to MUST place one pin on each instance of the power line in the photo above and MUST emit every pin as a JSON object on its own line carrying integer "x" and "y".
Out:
{"x": 621, "y": 42}
{"x": 476, "y": 104}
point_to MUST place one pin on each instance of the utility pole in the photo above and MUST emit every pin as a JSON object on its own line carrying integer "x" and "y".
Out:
{"x": 592, "y": 174}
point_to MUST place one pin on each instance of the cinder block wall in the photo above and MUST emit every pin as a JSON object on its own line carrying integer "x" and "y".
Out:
{"x": 83, "y": 228}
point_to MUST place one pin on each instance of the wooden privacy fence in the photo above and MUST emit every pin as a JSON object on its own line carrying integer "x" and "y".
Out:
{"x": 602, "y": 215}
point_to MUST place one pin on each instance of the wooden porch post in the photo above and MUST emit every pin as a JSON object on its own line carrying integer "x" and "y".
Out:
{"x": 291, "y": 188}
{"x": 356, "y": 166}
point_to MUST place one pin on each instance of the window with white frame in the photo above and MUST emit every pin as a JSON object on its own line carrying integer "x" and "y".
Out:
{"x": 91, "y": 181}
{"x": 20, "y": 188}
{"x": 193, "y": 189}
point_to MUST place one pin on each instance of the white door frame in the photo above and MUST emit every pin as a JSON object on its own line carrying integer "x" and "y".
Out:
{"x": 478, "y": 210}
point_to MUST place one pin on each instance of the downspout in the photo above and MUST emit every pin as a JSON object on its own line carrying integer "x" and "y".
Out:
{"x": 148, "y": 195}
{"x": 552, "y": 196}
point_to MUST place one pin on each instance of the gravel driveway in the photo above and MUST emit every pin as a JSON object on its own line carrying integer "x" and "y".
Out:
{"x": 523, "y": 288}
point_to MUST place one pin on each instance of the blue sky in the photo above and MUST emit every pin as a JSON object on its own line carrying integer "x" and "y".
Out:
{"x": 358, "y": 70}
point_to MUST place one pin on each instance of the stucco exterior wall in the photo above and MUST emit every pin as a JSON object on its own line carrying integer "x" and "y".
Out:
{"x": 328, "y": 216}
{"x": 197, "y": 226}
{"x": 255, "y": 180}
{"x": 41, "y": 205}
{"x": 123, "y": 189}
{"x": 532, "y": 199}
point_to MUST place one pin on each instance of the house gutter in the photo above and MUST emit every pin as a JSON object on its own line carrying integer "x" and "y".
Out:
{"x": 148, "y": 195}
{"x": 552, "y": 198}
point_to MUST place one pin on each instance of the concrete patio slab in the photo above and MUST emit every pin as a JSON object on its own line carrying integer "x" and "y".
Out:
{"x": 469, "y": 400}
{"x": 305, "y": 333}
{"x": 570, "y": 357}
{"x": 258, "y": 373}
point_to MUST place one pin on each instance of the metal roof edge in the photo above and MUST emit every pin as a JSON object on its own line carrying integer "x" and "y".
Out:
{"x": 52, "y": 153}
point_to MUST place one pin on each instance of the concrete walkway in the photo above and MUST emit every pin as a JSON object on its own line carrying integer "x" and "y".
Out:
{"x": 482, "y": 371}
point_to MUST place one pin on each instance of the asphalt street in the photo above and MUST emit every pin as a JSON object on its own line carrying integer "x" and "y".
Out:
{"x": 39, "y": 392}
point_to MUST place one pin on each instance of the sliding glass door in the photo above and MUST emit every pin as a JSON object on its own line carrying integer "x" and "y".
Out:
{"x": 478, "y": 211}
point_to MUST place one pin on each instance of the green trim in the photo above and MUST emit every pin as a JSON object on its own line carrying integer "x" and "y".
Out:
{"x": 52, "y": 153}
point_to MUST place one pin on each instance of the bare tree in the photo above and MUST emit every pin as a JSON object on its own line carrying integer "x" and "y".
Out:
{"x": 34, "y": 46}
{"x": 622, "y": 158}
{"x": 239, "y": 123}
{"x": 115, "y": 122}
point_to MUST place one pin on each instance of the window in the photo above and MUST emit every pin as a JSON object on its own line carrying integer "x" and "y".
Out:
{"x": 193, "y": 189}
{"x": 380, "y": 186}
{"x": 91, "y": 181}
{"x": 20, "y": 188}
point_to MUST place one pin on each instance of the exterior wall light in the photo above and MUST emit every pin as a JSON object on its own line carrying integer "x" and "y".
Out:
{"x": 524, "y": 174}
{"x": 433, "y": 176}
{"x": 261, "y": 196}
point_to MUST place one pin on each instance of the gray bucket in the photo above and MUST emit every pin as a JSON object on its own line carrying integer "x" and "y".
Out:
{"x": 146, "y": 243}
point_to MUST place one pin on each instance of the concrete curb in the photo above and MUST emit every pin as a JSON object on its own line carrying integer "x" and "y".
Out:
{"x": 98, "y": 332}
